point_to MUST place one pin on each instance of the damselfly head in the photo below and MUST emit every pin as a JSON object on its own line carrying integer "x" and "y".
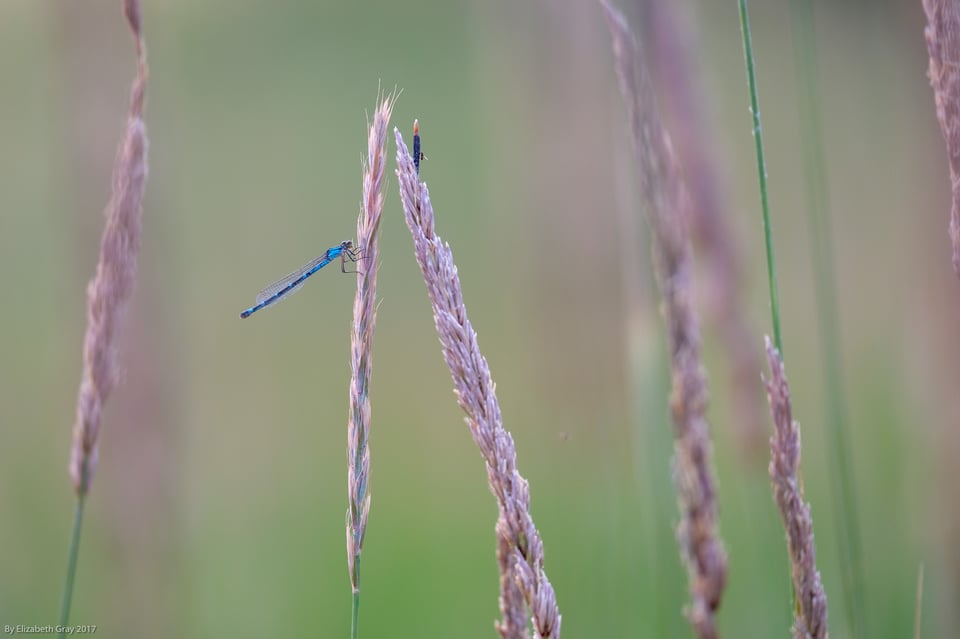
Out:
{"x": 346, "y": 245}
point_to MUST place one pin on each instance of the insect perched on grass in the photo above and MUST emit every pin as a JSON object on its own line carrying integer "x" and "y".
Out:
{"x": 417, "y": 153}
{"x": 292, "y": 283}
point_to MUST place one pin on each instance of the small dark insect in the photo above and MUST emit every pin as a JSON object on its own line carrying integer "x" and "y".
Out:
{"x": 417, "y": 153}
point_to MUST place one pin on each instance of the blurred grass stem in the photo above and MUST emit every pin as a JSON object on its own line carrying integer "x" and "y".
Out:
{"x": 819, "y": 216}
{"x": 108, "y": 294}
{"x": 667, "y": 204}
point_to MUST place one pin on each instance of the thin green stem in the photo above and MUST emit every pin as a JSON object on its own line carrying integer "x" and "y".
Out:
{"x": 71, "y": 564}
{"x": 819, "y": 215}
{"x": 762, "y": 174}
{"x": 764, "y": 200}
{"x": 355, "y": 620}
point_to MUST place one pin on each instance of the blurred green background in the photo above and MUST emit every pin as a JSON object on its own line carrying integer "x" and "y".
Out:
{"x": 218, "y": 505}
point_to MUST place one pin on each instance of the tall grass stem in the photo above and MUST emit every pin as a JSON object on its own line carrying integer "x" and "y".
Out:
{"x": 71, "y": 565}
{"x": 361, "y": 346}
{"x": 108, "y": 293}
{"x": 355, "y": 610}
{"x": 669, "y": 39}
{"x": 520, "y": 554}
{"x": 819, "y": 223}
{"x": 667, "y": 204}
{"x": 761, "y": 174}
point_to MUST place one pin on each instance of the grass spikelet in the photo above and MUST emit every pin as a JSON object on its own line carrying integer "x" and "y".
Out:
{"x": 107, "y": 295}
{"x": 810, "y": 615}
{"x": 519, "y": 547}
{"x": 111, "y": 286}
{"x": 361, "y": 344}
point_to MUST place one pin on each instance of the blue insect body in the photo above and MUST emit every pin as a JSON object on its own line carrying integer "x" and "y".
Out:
{"x": 292, "y": 282}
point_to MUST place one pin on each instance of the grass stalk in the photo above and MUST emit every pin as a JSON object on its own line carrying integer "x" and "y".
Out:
{"x": 67, "y": 598}
{"x": 810, "y": 600}
{"x": 355, "y": 609}
{"x": 520, "y": 552}
{"x": 669, "y": 40}
{"x": 761, "y": 174}
{"x": 667, "y": 204}
{"x": 107, "y": 296}
{"x": 647, "y": 384}
{"x": 764, "y": 199}
{"x": 819, "y": 223}
{"x": 361, "y": 347}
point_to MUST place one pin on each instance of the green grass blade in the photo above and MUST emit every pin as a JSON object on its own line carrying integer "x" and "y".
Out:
{"x": 71, "y": 565}
{"x": 764, "y": 200}
{"x": 762, "y": 174}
